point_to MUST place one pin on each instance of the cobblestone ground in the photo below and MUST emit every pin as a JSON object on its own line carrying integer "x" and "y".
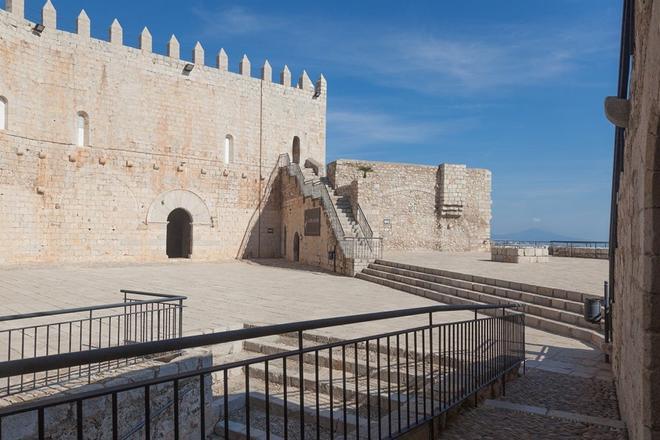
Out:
{"x": 588, "y": 396}
{"x": 576, "y": 397}
{"x": 495, "y": 423}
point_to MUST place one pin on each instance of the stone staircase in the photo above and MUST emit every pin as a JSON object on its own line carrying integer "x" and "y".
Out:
{"x": 553, "y": 310}
{"x": 342, "y": 204}
{"x": 355, "y": 393}
{"x": 346, "y": 216}
{"x": 358, "y": 249}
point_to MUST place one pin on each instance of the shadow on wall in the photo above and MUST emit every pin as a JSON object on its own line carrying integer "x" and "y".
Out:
{"x": 262, "y": 236}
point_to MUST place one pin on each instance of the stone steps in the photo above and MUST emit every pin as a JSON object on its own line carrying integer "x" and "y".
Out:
{"x": 530, "y": 288}
{"x": 528, "y": 303}
{"x": 363, "y": 369}
{"x": 512, "y": 294}
{"x": 351, "y": 405}
{"x": 529, "y": 308}
{"x": 544, "y": 318}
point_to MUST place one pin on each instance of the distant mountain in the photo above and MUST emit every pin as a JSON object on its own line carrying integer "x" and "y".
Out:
{"x": 534, "y": 235}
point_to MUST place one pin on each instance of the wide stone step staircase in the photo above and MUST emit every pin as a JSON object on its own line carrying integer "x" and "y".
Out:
{"x": 357, "y": 392}
{"x": 553, "y": 310}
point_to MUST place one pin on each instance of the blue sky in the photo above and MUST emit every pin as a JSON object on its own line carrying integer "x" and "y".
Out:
{"x": 516, "y": 87}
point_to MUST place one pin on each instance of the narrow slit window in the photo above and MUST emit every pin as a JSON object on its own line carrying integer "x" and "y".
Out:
{"x": 82, "y": 130}
{"x": 228, "y": 152}
{"x": 3, "y": 113}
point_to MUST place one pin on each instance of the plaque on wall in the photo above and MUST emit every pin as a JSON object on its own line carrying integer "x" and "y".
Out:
{"x": 313, "y": 222}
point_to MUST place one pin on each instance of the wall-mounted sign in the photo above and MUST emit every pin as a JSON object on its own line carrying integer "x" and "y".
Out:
{"x": 313, "y": 222}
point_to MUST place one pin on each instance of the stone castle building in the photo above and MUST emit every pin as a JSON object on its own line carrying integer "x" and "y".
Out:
{"x": 110, "y": 152}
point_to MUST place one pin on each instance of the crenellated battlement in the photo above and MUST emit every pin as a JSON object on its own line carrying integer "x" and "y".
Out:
{"x": 49, "y": 21}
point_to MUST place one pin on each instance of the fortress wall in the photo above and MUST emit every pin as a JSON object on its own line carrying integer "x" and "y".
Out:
{"x": 636, "y": 308}
{"x": 152, "y": 129}
{"x": 420, "y": 207}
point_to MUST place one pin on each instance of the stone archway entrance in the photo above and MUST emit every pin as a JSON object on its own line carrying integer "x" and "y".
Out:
{"x": 295, "y": 150}
{"x": 296, "y": 247}
{"x": 179, "y": 234}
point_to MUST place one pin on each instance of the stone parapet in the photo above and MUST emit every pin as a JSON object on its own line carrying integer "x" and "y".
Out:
{"x": 579, "y": 252}
{"x": 97, "y": 412}
{"x": 517, "y": 254}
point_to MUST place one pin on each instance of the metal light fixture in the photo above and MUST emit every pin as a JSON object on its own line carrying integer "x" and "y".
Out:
{"x": 38, "y": 28}
{"x": 188, "y": 67}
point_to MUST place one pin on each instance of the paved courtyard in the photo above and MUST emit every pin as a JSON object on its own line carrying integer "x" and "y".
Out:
{"x": 228, "y": 294}
{"x": 580, "y": 274}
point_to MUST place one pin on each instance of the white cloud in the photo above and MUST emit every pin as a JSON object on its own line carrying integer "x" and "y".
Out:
{"x": 236, "y": 20}
{"x": 355, "y": 131}
{"x": 481, "y": 58}
{"x": 536, "y": 220}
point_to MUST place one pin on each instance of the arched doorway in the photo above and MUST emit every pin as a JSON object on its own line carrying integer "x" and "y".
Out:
{"x": 295, "y": 149}
{"x": 296, "y": 247}
{"x": 179, "y": 234}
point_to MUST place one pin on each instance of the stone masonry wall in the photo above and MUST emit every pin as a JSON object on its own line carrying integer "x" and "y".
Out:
{"x": 416, "y": 206}
{"x": 314, "y": 250}
{"x": 61, "y": 420}
{"x": 636, "y": 313}
{"x": 156, "y": 139}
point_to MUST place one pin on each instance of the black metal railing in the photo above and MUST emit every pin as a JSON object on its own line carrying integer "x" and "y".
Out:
{"x": 359, "y": 248}
{"x": 520, "y": 243}
{"x": 378, "y": 386}
{"x": 141, "y": 317}
{"x": 556, "y": 243}
{"x": 581, "y": 244}
{"x": 363, "y": 223}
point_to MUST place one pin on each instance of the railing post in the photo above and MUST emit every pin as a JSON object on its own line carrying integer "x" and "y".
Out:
{"x": 606, "y": 298}
{"x": 180, "y": 318}
{"x": 89, "y": 367}
{"x": 524, "y": 346}
{"x": 474, "y": 357}
{"x": 302, "y": 385}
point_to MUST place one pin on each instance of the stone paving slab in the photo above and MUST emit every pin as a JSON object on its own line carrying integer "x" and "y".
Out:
{"x": 579, "y": 274}
{"x": 220, "y": 295}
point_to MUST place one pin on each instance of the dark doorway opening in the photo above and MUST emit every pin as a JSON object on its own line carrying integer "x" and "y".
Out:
{"x": 179, "y": 234}
{"x": 295, "y": 149}
{"x": 296, "y": 247}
